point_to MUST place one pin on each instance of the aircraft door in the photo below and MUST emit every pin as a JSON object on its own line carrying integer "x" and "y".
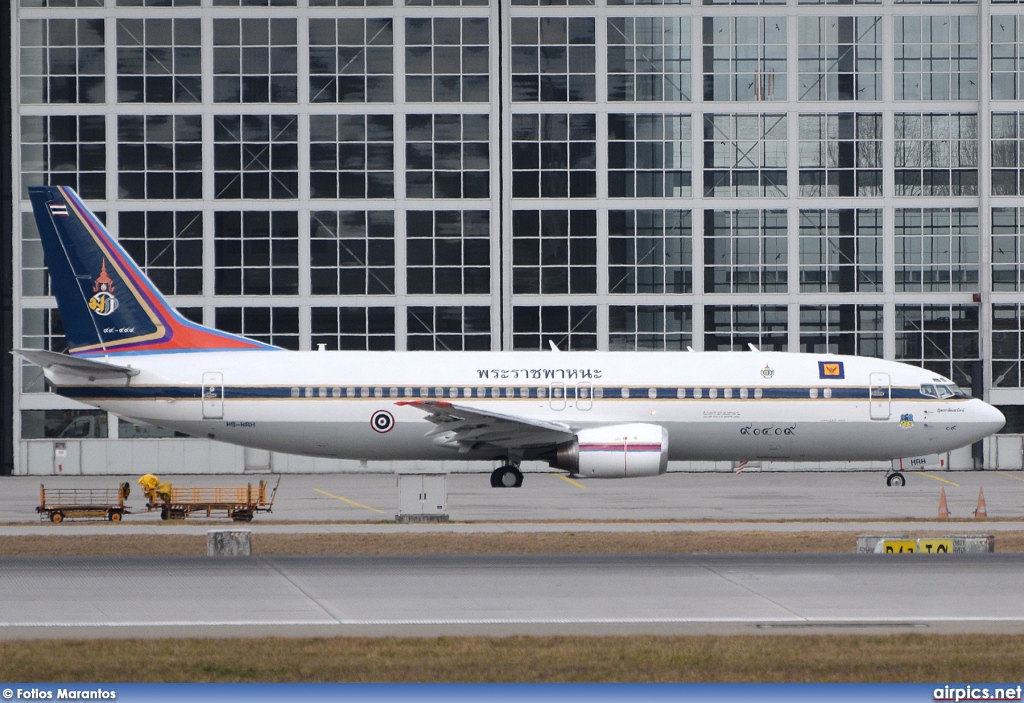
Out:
{"x": 879, "y": 392}
{"x": 584, "y": 396}
{"x": 213, "y": 395}
{"x": 557, "y": 395}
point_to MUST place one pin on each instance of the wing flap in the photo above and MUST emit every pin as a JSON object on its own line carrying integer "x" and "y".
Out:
{"x": 88, "y": 369}
{"x": 473, "y": 426}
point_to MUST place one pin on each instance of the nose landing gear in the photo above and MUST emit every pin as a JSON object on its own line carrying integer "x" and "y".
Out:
{"x": 895, "y": 479}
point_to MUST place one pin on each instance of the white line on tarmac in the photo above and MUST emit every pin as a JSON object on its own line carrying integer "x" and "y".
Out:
{"x": 513, "y": 621}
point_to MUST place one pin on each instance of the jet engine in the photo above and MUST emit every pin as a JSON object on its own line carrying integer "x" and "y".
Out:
{"x": 616, "y": 451}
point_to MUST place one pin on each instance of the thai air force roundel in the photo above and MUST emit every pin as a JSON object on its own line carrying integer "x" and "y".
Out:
{"x": 382, "y": 421}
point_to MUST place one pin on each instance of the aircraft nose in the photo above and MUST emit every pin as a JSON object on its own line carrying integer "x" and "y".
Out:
{"x": 987, "y": 418}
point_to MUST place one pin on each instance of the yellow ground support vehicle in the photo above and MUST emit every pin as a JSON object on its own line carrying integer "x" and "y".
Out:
{"x": 98, "y": 503}
{"x": 240, "y": 503}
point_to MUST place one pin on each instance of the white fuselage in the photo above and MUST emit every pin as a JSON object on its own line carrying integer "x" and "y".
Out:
{"x": 714, "y": 405}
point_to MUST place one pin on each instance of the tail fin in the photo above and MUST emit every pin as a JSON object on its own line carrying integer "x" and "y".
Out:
{"x": 107, "y": 304}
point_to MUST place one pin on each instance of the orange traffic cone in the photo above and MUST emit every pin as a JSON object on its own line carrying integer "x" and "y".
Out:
{"x": 981, "y": 510}
{"x": 943, "y": 507}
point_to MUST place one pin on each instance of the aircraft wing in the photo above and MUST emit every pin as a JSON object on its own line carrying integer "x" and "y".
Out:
{"x": 471, "y": 428}
{"x": 75, "y": 366}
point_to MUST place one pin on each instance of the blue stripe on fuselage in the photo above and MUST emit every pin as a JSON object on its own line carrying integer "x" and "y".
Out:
{"x": 384, "y": 393}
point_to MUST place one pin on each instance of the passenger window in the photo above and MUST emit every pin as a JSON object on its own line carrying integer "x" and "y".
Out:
{"x": 697, "y": 393}
{"x": 814, "y": 393}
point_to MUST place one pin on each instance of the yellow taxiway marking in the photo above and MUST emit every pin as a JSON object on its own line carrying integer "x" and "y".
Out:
{"x": 569, "y": 480}
{"x": 922, "y": 473}
{"x": 350, "y": 502}
{"x": 1016, "y": 478}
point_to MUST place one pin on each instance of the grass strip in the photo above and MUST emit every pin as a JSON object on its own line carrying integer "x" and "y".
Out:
{"x": 461, "y": 543}
{"x": 739, "y": 658}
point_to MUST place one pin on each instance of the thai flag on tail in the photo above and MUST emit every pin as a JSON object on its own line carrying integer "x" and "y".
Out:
{"x": 58, "y": 210}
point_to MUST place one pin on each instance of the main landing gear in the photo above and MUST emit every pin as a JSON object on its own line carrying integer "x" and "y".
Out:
{"x": 507, "y": 476}
{"x": 895, "y": 479}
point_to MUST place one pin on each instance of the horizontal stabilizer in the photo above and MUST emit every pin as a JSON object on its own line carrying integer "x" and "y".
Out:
{"x": 85, "y": 368}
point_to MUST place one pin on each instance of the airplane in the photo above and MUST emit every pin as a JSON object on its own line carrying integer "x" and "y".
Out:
{"x": 592, "y": 414}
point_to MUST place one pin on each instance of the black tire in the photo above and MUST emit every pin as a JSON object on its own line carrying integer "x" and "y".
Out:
{"x": 895, "y": 480}
{"x": 507, "y": 477}
{"x": 163, "y": 513}
{"x": 56, "y": 516}
{"x": 242, "y": 516}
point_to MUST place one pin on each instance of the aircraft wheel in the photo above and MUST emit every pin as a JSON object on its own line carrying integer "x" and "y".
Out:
{"x": 895, "y": 480}
{"x": 506, "y": 477}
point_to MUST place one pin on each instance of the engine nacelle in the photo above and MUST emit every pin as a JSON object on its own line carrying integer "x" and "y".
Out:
{"x": 618, "y": 451}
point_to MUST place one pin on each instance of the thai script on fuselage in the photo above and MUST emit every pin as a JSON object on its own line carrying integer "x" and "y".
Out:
{"x": 547, "y": 374}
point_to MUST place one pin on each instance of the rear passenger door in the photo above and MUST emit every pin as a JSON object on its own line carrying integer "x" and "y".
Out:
{"x": 213, "y": 395}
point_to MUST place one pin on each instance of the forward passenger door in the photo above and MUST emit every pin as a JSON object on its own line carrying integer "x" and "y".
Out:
{"x": 879, "y": 393}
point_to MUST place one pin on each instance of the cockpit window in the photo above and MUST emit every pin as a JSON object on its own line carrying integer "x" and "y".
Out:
{"x": 941, "y": 391}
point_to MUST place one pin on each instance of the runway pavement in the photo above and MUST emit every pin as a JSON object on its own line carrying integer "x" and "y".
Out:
{"x": 571, "y": 594}
{"x": 758, "y": 497}
{"x": 499, "y": 595}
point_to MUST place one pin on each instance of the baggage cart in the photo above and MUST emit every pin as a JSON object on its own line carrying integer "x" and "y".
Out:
{"x": 240, "y": 503}
{"x": 56, "y": 504}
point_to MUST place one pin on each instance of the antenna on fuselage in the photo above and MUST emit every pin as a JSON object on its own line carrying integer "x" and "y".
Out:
{"x": 752, "y": 347}
{"x": 554, "y": 347}
{"x": 689, "y": 348}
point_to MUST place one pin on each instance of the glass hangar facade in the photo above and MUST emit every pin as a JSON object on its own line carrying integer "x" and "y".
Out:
{"x": 610, "y": 175}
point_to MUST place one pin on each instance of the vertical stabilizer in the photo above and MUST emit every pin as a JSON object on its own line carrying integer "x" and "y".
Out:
{"x": 107, "y": 304}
